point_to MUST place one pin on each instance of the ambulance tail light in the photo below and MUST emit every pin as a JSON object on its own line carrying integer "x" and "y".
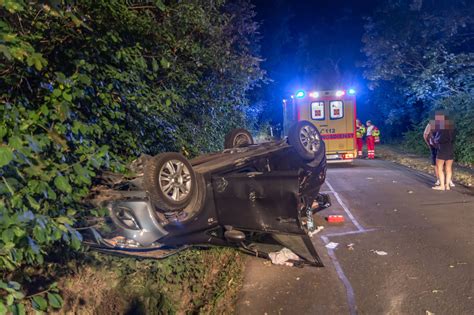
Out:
{"x": 347, "y": 156}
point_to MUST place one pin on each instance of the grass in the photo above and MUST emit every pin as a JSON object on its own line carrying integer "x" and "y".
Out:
{"x": 193, "y": 281}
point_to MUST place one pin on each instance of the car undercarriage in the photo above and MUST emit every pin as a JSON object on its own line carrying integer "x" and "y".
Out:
{"x": 255, "y": 197}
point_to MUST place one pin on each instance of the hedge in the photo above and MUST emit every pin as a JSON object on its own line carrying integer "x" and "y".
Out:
{"x": 89, "y": 85}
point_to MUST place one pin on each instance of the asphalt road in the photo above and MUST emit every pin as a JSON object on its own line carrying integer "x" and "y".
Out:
{"x": 428, "y": 238}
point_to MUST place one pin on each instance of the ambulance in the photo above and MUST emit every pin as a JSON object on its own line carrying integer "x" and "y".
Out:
{"x": 333, "y": 113}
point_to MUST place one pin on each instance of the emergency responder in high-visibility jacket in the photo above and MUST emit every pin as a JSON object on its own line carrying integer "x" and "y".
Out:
{"x": 376, "y": 134}
{"x": 360, "y": 132}
{"x": 372, "y": 133}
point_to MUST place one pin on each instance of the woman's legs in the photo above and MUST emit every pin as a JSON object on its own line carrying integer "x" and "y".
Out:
{"x": 449, "y": 173}
{"x": 439, "y": 166}
{"x": 434, "y": 152}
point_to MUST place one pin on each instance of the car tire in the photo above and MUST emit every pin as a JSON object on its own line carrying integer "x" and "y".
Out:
{"x": 237, "y": 138}
{"x": 306, "y": 140}
{"x": 170, "y": 181}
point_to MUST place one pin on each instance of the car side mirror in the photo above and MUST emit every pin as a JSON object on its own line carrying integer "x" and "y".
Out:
{"x": 234, "y": 236}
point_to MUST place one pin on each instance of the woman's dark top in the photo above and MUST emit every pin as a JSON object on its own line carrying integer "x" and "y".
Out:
{"x": 444, "y": 142}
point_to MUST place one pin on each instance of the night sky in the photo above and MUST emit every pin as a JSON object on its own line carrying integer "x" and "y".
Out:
{"x": 313, "y": 45}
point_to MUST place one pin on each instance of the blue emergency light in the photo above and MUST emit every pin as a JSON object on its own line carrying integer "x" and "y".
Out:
{"x": 352, "y": 91}
{"x": 300, "y": 94}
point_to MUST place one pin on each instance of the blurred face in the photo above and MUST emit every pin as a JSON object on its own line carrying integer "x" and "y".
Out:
{"x": 439, "y": 119}
{"x": 368, "y": 124}
{"x": 442, "y": 121}
{"x": 358, "y": 122}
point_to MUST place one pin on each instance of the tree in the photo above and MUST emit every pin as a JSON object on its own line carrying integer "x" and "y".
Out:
{"x": 424, "y": 52}
{"x": 425, "y": 47}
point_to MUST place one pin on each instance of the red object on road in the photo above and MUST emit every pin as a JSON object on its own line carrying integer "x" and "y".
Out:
{"x": 335, "y": 219}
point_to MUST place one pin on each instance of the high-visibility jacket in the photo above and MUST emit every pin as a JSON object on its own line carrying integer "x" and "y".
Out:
{"x": 376, "y": 134}
{"x": 360, "y": 131}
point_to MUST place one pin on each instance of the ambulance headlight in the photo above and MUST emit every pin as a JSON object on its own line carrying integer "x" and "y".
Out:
{"x": 340, "y": 93}
{"x": 300, "y": 94}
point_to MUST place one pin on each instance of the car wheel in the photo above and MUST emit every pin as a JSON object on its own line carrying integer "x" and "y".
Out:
{"x": 195, "y": 205}
{"x": 170, "y": 181}
{"x": 238, "y": 138}
{"x": 306, "y": 140}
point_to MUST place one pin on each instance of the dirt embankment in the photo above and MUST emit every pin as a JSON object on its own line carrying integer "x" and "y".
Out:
{"x": 461, "y": 174}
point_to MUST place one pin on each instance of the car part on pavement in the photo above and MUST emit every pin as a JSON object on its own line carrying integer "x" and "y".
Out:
{"x": 237, "y": 138}
{"x": 170, "y": 181}
{"x": 335, "y": 219}
{"x": 258, "y": 198}
{"x": 321, "y": 202}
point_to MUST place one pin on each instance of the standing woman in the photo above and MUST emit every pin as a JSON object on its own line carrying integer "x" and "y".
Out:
{"x": 443, "y": 138}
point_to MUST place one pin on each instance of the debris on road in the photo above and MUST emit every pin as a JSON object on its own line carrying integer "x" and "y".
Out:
{"x": 283, "y": 257}
{"x": 429, "y": 313}
{"x": 379, "y": 252}
{"x": 394, "y": 181}
{"x": 316, "y": 231}
{"x": 369, "y": 178}
{"x": 410, "y": 191}
{"x": 335, "y": 219}
{"x": 395, "y": 210}
{"x": 332, "y": 245}
{"x": 437, "y": 291}
{"x": 350, "y": 246}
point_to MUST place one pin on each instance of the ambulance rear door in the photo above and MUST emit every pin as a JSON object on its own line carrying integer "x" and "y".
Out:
{"x": 339, "y": 132}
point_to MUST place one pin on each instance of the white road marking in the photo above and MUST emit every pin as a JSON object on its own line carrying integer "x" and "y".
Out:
{"x": 349, "y": 232}
{"x": 340, "y": 273}
{"x": 343, "y": 205}
{"x": 331, "y": 252}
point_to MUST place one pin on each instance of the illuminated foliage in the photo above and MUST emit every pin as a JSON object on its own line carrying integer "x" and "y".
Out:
{"x": 423, "y": 54}
{"x": 89, "y": 85}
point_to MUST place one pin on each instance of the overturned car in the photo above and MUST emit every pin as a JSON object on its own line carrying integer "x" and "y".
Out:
{"x": 256, "y": 197}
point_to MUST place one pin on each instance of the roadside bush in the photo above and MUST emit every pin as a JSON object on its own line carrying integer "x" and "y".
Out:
{"x": 89, "y": 85}
{"x": 461, "y": 109}
{"x": 413, "y": 140}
